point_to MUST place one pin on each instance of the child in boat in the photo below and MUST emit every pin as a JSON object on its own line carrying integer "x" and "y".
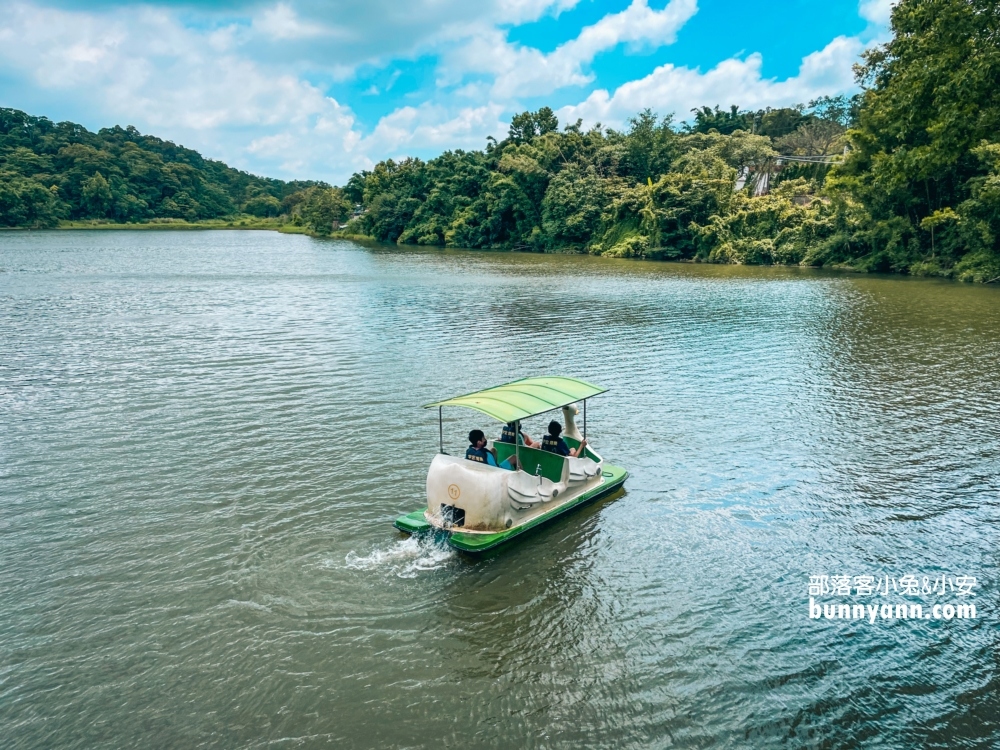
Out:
{"x": 508, "y": 432}
{"x": 553, "y": 443}
{"x": 478, "y": 452}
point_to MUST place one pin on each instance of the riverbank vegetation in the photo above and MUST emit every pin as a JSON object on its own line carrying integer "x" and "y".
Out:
{"x": 904, "y": 177}
{"x": 54, "y": 174}
{"x": 918, "y": 190}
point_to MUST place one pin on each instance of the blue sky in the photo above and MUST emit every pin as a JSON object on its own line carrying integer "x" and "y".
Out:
{"x": 313, "y": 89}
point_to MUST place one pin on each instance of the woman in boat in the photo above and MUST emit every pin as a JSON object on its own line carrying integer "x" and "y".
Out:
{"x": 478, "y": 452}
{"x": 553, "y": 443}
{"x": 507, "y": 436}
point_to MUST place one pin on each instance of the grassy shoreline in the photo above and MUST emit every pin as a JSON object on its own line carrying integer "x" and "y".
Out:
{"x": 289, "y": 228}
{"x": 251, "y": 224}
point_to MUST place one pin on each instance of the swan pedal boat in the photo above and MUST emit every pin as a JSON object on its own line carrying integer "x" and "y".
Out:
{"x": 480, "y": 507}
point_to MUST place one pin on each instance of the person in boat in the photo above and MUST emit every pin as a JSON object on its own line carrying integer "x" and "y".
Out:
{"x": 508, "y": 432}
{"x": 478, "y": 452}
{"x": 553, "y": 443}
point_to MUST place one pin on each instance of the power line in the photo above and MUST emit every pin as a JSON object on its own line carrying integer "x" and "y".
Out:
{"x": 817, "y": 159}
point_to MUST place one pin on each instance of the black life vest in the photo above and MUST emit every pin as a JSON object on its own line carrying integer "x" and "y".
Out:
{"x": 555, "y": 445}
{"x": 508, "y": 435}
{"x": 476, "y": 454}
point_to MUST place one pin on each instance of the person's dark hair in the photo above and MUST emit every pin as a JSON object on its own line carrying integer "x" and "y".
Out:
{"x": 475, "y": 436}
{"x": 554, "y": 428}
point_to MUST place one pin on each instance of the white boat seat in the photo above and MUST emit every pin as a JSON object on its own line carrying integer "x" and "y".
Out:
{"x": 583, "y": 470}
{"x": 525, "y": 491}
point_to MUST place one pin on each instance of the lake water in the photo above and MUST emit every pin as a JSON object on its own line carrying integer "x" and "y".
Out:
{"x": 205, "y": 438}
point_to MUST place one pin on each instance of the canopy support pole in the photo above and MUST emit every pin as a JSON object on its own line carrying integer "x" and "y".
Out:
{"x": 517, "y": 443}
{"x": 585, "y": 419}
{"x": 441, "y": 427}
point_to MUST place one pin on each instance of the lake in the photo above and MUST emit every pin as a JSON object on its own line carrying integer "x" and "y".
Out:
{"x": 206, "y": 436}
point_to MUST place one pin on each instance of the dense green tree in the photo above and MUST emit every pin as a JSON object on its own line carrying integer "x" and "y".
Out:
{"x": 263, "y": 205}
{"x": 527, "y": 126}
{"x": 648, "y": 147}
{"x": 841, "y": 109}
{"x": 921, "y": 165}
{"x": 52, "y": 170}
{"x": 96, "y": 197}
{"x": 325, "y": 209}
{"x": 918, "y": 192}
{"x": 777, "y": 123}
{"x": 573, "y": 206}
{"x": 722, "y": 121}
{"x": 26, "y": 202}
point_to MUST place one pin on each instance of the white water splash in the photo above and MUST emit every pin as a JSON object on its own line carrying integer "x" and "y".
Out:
{"x": 407, "y": 558}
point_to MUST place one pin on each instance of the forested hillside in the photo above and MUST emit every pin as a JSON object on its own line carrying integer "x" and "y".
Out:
{"x": 915, "y": 187}
{"x": 918, "y": 191}
{"x": 652, "y": 190}
{"x": 51, "y": 171}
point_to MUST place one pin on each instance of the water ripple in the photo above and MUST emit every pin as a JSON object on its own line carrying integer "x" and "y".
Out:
{"x": 205, "y": 437}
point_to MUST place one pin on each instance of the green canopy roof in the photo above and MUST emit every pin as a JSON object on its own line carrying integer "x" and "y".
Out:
{"x": 525, "y": 398}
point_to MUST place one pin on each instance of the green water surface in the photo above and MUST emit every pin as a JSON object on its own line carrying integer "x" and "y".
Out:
{"x": 205, "y": 438}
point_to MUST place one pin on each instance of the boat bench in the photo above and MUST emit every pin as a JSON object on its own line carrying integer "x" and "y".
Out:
{"x": 532, "y": 458}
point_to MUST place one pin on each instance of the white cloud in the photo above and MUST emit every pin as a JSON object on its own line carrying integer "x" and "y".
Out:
{"x": 679, "y": 90}
{"x": 201, "y": 93}
{"x": 144, "y": 68}
{"x": 282, "y": 22}
{"x": 236, "y": 89}
{"x": 877, "y": 11}
{"x": 348, "y": 33}
{"x": 637, "y": 24}
{"x": 525, "y": 71}
{"x": 430, "y": 126}
{"x": 522, "y": 11}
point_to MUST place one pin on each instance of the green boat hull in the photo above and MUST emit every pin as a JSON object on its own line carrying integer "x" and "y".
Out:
{"x": 415, "y": 523}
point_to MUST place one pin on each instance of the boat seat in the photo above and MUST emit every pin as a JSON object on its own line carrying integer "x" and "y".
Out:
{"x": 525, "y": 491}
{"x": 583, "y": 470}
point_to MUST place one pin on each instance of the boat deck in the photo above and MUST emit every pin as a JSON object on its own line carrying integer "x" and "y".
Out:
{"x": 470, "y": 541}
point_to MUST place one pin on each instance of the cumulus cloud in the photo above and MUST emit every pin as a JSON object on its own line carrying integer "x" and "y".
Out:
{"x": 525, "y": 71}
{"x": 237, "y": 82}
{"x": 349, "y": 33}
{"x": 670, "y": 88}
{"x": 282, "y": 22}
{"x": 877, "y": 11}
{"x": 430, "y": 126}
{"x": 145, "y": 68}
{"x": 143, "y": 62}
{"x": 522, "y": 11}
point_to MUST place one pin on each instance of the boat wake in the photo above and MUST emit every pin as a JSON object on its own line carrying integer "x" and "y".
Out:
{"x": 407, "y": 558}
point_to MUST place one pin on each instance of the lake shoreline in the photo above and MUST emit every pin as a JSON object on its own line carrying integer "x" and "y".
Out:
{"x": 287, "y": 228}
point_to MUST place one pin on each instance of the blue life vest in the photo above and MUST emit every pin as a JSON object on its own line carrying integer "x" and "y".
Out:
{"x": 555, "y": 445}
{"x": 509, "y": 434}
{"x": 479, "y": 455}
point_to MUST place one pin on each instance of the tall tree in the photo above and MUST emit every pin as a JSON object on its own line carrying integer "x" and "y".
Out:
{"x": 932, "y": 100}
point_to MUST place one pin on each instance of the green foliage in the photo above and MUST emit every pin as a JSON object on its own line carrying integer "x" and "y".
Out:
{"x": 721, "y": 121}
{"x": 324, "y": 209}
{"x": 641, "y": 192}
{"x": 25, "y": 202}
{"x": 918, "y": 192}
{"x": 527, "y": 126}
{"x": 647, "y": 192}
{"x": 842, "y": 110}
{"x": 51, "y": 171}
{"x": 922, "y": 172}
{"x": 572, "y": 206}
